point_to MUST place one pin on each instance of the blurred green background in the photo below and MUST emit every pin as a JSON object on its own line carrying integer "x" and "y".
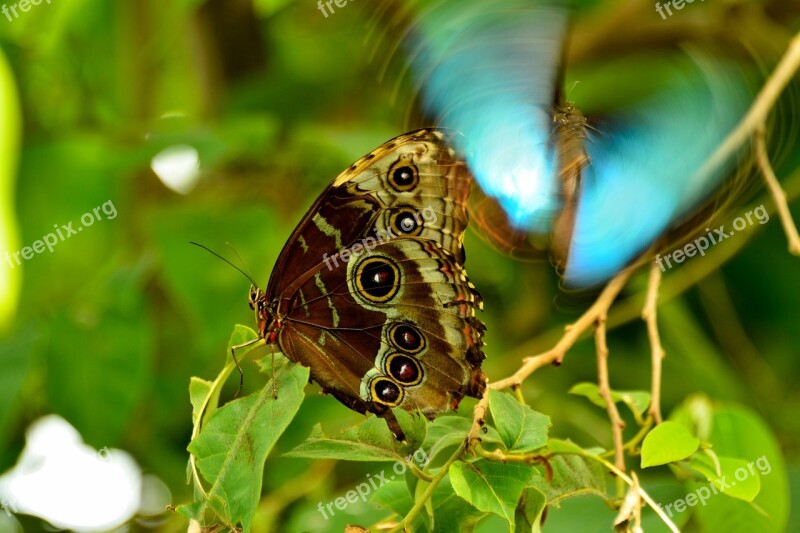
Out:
{"x": 264, "y": 102}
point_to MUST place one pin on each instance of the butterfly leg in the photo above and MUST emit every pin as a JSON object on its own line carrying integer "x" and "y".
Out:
{"x": 239, "y": 368}
{"x": 236, "y": 361}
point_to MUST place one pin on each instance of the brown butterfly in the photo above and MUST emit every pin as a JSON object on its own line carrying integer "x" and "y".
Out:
{"x": 370, "y": 291}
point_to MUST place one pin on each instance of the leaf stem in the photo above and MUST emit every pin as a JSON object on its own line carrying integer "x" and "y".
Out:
{"x": 405, "y": 525}
{"x": 421, "y": 474}
{"x": 639, "y": 437}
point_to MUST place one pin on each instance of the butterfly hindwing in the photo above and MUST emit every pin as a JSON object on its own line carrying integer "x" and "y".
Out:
{"x": 417, "y": 343}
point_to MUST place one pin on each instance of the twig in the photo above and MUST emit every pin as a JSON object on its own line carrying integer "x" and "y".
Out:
{"x": 617, "y": 425}
{"x": 649, "y": 315}
{"x": 762, "y": 105}
{"x": 777, "y": 192}
{"x": 573, "y": 332}
{"x": 478, "y": 421}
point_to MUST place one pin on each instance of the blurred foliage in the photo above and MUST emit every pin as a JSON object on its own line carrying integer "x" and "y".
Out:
{"x": 277, "y": 99}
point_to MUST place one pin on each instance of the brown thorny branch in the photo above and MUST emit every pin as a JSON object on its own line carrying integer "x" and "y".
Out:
{"x": 750, "y": 127}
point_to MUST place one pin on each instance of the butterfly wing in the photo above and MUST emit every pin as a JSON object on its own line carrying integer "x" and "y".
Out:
{"x": 394, "y": 327}
{"x": 647, "y": 172}
{"x": 488, "y": 70}
{"x": 402, "y": 209}
{"x": 414, "y": 178}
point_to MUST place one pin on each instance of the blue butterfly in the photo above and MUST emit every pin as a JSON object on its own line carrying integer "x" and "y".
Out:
{"x": 489, "y": 70}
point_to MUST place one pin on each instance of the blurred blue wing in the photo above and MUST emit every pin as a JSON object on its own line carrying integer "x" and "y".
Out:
{"x": 645, "y": 173}
{"x": 488, "y": 70}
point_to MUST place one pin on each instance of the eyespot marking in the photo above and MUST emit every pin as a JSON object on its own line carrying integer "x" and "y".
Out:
{"x": 406, "y": 221}
{"x": 404, "y": 369}
{"x": 403, "y": 175}
{"x": 386, "y": 392}
{"x": 377, "y": 279}
{"x": 407, "y": 338}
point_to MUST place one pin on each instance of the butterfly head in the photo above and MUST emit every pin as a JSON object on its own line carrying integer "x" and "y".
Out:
{"x": 267, "y": 323}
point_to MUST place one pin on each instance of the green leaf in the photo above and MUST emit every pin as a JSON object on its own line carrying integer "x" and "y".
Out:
{"x": 231, "y": 450}
{"x": 529, "y": 511}
{"x": 668, "y": 442}
{"x": 10, "y": 129}
{"x": 637, "y": 401}
{"x": 370, "y": 440}
{"x": 491, "y": 487}
{"x": 451, "y": 512}
{"x": 191, "y": 511}
{"x": 739, "y": 432}
{"x": 448, "y": 431}
{"x": 199, "y": 391}
{"x": 734, "y": 478}
{"x": 394, "y": 496}
{"x": 521, "y": 428}
{"x": 241, "y": 335}
{"x": 697, "y": 414}
{"x": 562, "y": 446}
{"x": 204, "y": 395}
{"x": 573, "y": 475}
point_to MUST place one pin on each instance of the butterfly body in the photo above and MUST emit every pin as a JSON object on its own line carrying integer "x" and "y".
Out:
{"x": 370, "y": 292}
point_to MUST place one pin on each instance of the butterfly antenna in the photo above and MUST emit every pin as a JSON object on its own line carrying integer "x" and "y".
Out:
{"x": 212, "y": 252}
{"x": 572, "y": 88}
{"x": 241, "y": 260}
{"x": 241, "y": 372}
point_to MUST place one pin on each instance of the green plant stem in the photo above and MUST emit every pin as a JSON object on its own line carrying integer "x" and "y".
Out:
{"x": 639, "y": 437}
{"x": 499, "y": 456}
{"x": 518, "y": 393}
{"x": 421, "y": 474}
{"x": 405, "y": 525}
